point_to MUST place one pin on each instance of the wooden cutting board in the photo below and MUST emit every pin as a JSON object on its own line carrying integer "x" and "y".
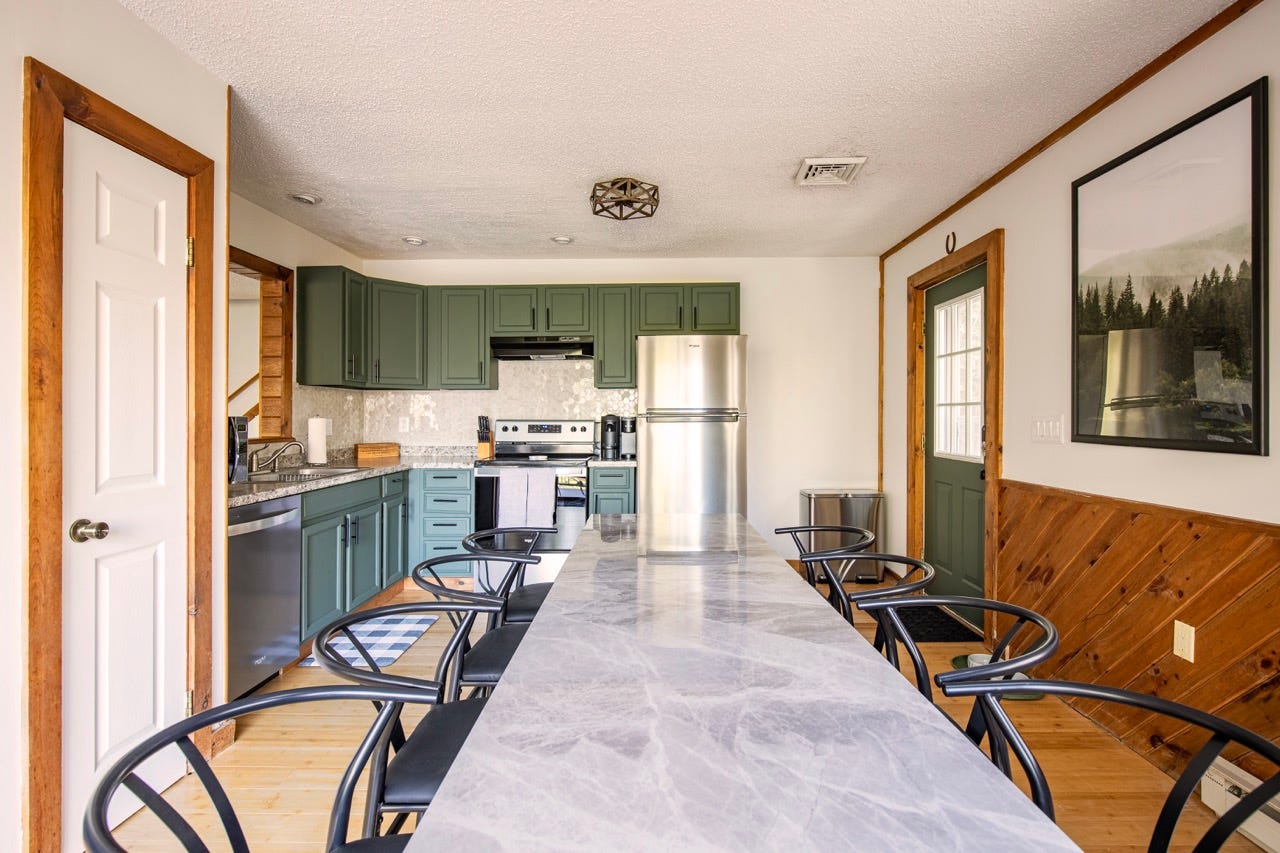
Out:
{"x": 377, "y": 452}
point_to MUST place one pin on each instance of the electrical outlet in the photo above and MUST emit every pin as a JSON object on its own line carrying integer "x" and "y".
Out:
{"x": 1184, "y": 640}
{"x": 404, "y": 424}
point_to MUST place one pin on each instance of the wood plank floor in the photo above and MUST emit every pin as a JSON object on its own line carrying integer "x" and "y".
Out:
{"x": 282, "y": 769}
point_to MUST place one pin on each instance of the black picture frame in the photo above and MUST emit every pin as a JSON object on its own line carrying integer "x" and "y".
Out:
{"x": 1171, "y": 352}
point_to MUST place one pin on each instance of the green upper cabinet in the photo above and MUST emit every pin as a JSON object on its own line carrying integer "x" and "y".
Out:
{"x": 715, "y": 308}
{"x": 687, "y": 308}
{"x": 381, "y": 326}
{"x": 397, "y": 339}
{"x": 555, "y": 310}
{"x": 566, "y": 310}
{"x": 615, "y": 337}
{"x": 462, "y": 342}
{"x": 332, "y": 306}
{"x": 514, "y": 310}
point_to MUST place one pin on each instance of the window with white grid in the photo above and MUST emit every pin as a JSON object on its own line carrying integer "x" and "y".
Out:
{"x": 958, "y": 378}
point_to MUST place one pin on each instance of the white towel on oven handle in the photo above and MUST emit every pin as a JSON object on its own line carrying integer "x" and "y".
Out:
{"x": 540, "y": 508}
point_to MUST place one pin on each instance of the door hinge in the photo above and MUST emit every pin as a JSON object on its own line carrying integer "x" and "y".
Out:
{"x": 191, "y": 252}
{"x": 190, "y": 702}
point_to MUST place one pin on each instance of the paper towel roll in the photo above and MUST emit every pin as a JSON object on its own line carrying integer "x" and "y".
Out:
{"x": 317, "y": 430}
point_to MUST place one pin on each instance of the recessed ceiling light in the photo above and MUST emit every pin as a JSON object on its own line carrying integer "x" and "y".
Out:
{"x": 306, "y": 198}
{"x": 562, "y": 239}
{"x": 413, "y": 241}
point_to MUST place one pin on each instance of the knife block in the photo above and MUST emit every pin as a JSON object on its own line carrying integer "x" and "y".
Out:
{"x": 484, "y": 449}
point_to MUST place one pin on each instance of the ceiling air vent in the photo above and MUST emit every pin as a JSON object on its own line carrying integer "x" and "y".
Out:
{"x": 828, "y": 171}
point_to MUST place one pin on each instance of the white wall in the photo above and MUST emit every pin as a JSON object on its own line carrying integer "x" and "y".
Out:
{"x": 100, "y": 45}
{"x": 260, "y": 232}
{"x": 1034, "y": 207}
{"x": 811, "y": 364}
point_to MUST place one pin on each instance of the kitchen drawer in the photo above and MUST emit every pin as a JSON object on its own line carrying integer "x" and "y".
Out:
{"x": 446, "y": 503}
{"x": 446, "y": 480}
{"x": 452, "y": 526}
{"x": 340, "y": 498}
{"x": 612, "y": 479}
{"x": 432, "y": 548}
{"x": 393, "y": 485}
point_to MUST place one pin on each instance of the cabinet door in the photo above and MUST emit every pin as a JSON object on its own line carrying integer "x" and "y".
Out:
{"x": 566, "y": 310}
{"x": 615, "y": 337}
{"x": 611, "y": 503}
{"x": 355, "y": 329}
{"x": 515, "y": 310}
{"x": 464, "y": 346}
{"x": 395, "y": 540}
{"x": 660, "y": 308}
{"x": 397, "y": 313}
{"x": 324, "y": 561}
{"x": 364, "y": 555}
{"x": 715, "y": 308}
{"x": 321, "y": 307}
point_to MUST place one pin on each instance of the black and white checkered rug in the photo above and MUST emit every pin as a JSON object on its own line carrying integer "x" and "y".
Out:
{"x": 385, "y": 639}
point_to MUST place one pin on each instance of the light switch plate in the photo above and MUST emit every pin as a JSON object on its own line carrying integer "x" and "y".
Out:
{"x": 404, "y": 424}
{"x": 1184, "y": 641}
{"x": 1048, "y": 430}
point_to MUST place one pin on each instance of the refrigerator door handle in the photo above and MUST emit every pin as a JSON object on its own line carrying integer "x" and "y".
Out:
{"x": 672, "y": 418}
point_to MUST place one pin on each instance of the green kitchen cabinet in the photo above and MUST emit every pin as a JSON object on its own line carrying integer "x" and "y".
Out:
{"x": 332, "y": 327}
{"x": 543, "y": 310}
{"x": 461, "y": 342}
{"x": 324, "y": 566}
{"x": 397, "y": 335}
{"x": 395, "y": 528}
{"x": 364, "y": 555}
{"x": 615, "y": 337}
{"x": 687, "y": 309}
{"x": 611, "y": 490}
{"x": 441, "y": 512}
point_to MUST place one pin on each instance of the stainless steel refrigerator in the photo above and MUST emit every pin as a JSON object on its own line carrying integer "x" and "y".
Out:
{"x": 692, "y": 424}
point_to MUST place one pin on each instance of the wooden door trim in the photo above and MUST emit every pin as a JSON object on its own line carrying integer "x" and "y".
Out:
{"x": 988, "y": 249}
{"x": 250, "y": 265}
{"x": 48, "y": 99}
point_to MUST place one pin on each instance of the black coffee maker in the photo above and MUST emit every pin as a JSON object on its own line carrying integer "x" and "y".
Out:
{"x": 610, "y": 427}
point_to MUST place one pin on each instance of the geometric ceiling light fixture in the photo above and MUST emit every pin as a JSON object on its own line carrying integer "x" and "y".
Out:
{"x": 624, "y": 198}
{"x": 828, "y": 171}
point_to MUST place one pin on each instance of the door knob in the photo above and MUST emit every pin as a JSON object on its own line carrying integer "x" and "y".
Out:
{"x": 82, "y": 530}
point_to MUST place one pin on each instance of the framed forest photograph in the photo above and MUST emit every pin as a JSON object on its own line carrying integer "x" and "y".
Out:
{"x": 1169, "y": 286}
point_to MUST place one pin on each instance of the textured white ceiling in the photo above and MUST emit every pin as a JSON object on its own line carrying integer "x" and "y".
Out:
{"x": 481, "y": 126}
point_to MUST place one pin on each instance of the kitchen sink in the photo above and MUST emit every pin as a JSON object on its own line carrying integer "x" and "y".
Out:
{"x": 298, "y": 475}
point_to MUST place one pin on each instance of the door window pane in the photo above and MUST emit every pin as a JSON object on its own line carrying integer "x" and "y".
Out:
{"x": 958, "y": 382}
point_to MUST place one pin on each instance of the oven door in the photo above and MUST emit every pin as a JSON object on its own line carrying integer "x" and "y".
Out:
{"x": 569, "y": 517}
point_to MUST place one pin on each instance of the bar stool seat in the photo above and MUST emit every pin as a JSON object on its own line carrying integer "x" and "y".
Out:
{"x": 415, "y": 772}
{"x": 486, "y": 660}
{"x": 523, "y": 602}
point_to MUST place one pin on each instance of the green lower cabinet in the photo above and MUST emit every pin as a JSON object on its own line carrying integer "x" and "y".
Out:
{"x": 364, "y": 555}
{"x": 324, "y": 569}
{"x": 611, "y": 491}
{"x": 395, "y": 540}
{"x": 441, "y": 512}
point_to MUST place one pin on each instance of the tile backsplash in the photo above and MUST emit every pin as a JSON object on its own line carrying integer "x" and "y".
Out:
{"x": 526, "y": 389}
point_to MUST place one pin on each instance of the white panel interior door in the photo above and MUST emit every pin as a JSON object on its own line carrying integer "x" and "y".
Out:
{"x": 124, "y": 628}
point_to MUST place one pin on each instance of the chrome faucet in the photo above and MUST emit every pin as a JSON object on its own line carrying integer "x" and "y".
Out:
{"x": 273, "y": 461}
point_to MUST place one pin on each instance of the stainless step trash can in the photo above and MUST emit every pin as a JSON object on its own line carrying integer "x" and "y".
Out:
{"x": 851, "y": 508}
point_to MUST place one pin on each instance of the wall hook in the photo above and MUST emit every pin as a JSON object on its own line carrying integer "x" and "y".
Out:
{"x": 950, "y": 244}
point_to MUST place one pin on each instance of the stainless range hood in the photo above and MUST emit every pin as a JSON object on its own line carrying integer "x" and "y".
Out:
{"x": 542, "y": 348}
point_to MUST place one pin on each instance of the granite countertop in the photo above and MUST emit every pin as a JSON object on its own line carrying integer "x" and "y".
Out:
{"x": 683, "y": 689}
{"x": 242, "y": 494}
{"x": 611, "y": 463}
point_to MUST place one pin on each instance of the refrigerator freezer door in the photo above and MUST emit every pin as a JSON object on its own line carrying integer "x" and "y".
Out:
{"x": 695, "y": 464}
{"x": 691, "y": 372}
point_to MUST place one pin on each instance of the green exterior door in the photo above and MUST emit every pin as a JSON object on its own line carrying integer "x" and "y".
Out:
{"x": 324, "y": 561}
{"x": 395, "y": 540}
{"x": 464, "y": 347}
{"x": 567, "y": 310}
{"x": 660, "y": 308}
{"x": 715, "y": 308}
{"x": 615, "y": 337}
{"x": 954, "y": 500}
{"x": 364, "y": 555}
{"x": 515, "y": 310}
{"x": 355, "y": 329}
{"x": 398, "y": 342}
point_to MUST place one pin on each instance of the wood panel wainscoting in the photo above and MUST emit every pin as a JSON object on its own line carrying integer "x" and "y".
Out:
{"x": 1112, "y": 575}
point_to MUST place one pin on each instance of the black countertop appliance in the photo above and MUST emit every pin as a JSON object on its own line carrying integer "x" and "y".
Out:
{"x": 610, "y": 443}
{"x": 627, "y": 441}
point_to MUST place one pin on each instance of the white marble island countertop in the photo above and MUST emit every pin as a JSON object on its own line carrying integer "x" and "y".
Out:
{"x": 683, "y": 689}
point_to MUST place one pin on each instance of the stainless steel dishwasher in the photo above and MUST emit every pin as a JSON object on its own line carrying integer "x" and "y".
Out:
{"x": 264, "y": 591}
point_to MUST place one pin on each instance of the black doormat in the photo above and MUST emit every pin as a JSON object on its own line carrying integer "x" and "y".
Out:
{"x": 935, "y": 625}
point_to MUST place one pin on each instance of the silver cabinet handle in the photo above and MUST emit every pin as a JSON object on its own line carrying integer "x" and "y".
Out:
{"x": 82, "y": 530}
